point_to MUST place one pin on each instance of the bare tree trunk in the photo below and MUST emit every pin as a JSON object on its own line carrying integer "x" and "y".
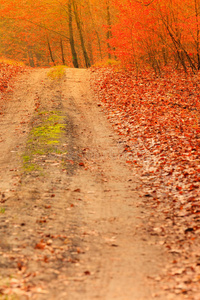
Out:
{"x": 30, "y": 58}
{"x": 62, "y": 51}
{"x": 179, "y": 47}
{"x": 96, "y": 32}
{"x": 50, "y": 50}
{"x": 71, "y": 36}
{"x": 109, "y": 32}
{"x": 198, "y": 32}
{"x": 91, "y": 52}
{"x": 78, "y": 22}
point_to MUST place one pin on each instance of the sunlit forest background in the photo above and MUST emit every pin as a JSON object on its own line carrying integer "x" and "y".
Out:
{"x": 80, "y": 33}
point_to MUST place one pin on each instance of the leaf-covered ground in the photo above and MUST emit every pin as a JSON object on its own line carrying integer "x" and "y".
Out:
{"x": 8, "y": 70}
{"x": 158, "y": 121}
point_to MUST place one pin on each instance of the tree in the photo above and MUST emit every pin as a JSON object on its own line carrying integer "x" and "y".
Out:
{"x": 45, "y": 32}
{"x": 80, "y": 30}
{"x": 71, "y": 36}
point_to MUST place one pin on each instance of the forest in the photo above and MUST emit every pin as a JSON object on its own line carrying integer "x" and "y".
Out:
{"x": 142, "y": 34}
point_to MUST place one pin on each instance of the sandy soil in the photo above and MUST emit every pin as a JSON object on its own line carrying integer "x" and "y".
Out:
{"x": 76, "y": 230}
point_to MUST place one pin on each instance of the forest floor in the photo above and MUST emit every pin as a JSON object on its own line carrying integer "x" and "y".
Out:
{"x": 73, "y": 218}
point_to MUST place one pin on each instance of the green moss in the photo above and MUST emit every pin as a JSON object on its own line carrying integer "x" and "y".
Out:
{"x": 48, "y": 131}
{"x": 2, "y": 210}
{"x": 38, "y": 151}
{"x": 52, "y": 142}
{"x": 26, "y": 158}
{"x": 56, "y": 72}
{"x": 30, "y": 167}
{"x": 44, "y": 139}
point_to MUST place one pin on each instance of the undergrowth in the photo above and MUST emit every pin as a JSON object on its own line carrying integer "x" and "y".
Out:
{"x": 57, "y": 72}
{"x": 11, "y": 62}
{"x": 107, "y": 63}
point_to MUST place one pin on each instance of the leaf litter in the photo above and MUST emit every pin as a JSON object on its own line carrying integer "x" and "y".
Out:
{"x": 157, "y": 120}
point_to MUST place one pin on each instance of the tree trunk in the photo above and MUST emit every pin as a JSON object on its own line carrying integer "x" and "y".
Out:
{"x": 109, "y": 33}
{"x": 50, "y": 50}
{"x": 62, "y": 52}
{"x": 71, "y": 36}
{"x": 78, "y": 23}
{"x": 198, "y": 32}
{"x": 96, "y": 32}
{"x": 180, "y": 49}
{"x": 91, "y": 52}
{"x": 31, "y": 60}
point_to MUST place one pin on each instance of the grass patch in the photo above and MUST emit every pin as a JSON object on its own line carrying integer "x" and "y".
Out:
{"x": 2, "y": 210}
{"x": 44, "y": 139}
{"x": 57, "y": 72}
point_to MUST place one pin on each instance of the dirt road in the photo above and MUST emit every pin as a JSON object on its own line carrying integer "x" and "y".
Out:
{"x": 71, "y": 225}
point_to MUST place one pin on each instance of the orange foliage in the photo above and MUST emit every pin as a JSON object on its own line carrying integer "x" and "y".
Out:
{"x": 158, "y": 33}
